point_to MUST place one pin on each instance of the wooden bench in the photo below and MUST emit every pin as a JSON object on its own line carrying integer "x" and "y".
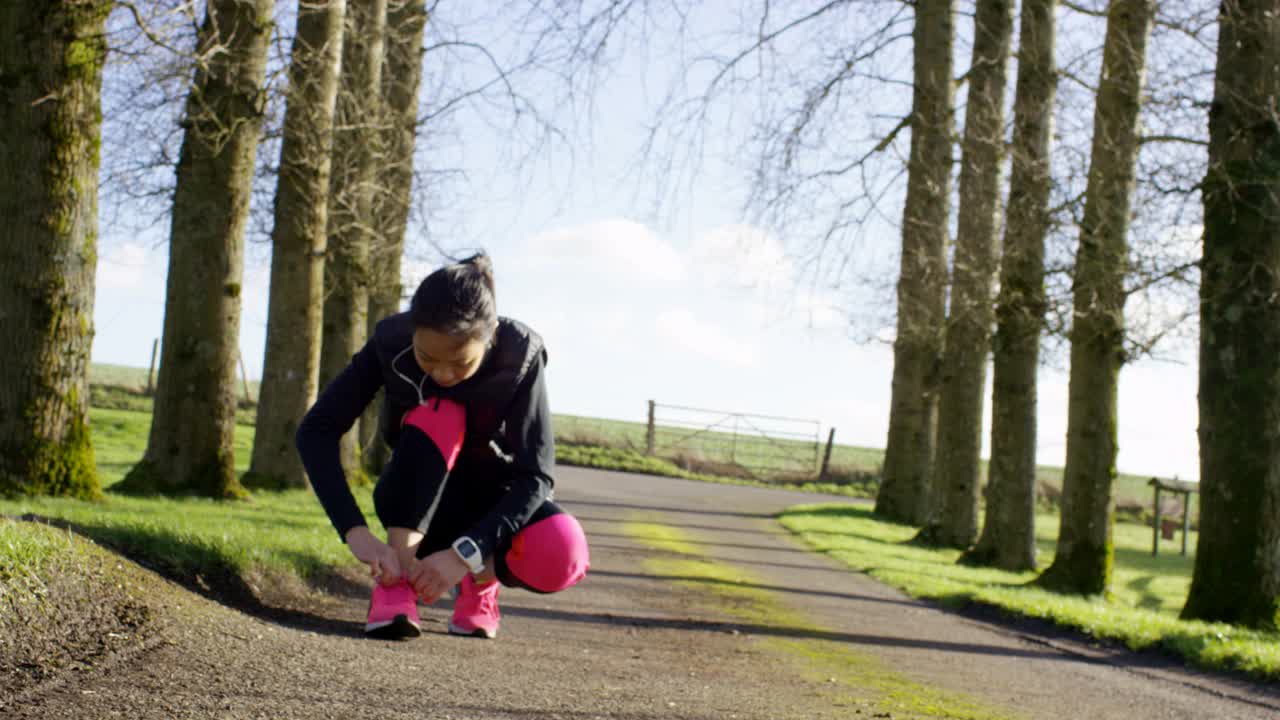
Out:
{"x": 1178, "y": 487}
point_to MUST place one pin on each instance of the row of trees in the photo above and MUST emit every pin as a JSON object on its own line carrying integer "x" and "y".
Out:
{"x": 341, "y": 205}
{"x": 931, "y": 464}
{"x": 341, "y": 211}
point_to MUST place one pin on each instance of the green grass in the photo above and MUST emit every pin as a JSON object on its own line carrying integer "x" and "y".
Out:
{"x": 1147, "y": 592}
{"x": 622, "y": 460}
{"x": 219, "y": 544}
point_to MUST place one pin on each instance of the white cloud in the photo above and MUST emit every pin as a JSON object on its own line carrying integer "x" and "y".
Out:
{"x": 123, "y": 267}
{"x": 681, "y": 327}
{"x": 615, "y": 247}
{"x": 743, "y": 256}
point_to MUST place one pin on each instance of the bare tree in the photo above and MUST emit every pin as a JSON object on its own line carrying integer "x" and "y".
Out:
{"x": 51, "y": 57}
{"x": 1237, "y": 569}
{"x": 291, "y": 365}
{"x": 206, "y": 260}
{"x": 922, "y": 281}
{"x": 393, "y": 196}
{"x": 1082, "y": 563}
{"x": 356, "y": 136}
{"x": 1008, "y": 531}
{"x": 953, "y": 517}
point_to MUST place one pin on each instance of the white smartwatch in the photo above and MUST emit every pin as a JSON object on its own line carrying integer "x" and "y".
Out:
{"x": 467, "y": 549}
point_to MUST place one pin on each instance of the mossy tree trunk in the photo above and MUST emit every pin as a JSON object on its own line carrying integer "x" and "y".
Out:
{"x": 51, "y": 57}
{"x": 292, "y": 361}
{"x": 356, "y": 138}
{"x": 953, "y": 517}
{"x": 922, "y": 282}
{"x": 1082, "y": 561}
{"x": 1008, "y": 530}
{"x": 1237, "y": 569}
{"x": 190, "y": 449}
{"x": 401, "y": 78}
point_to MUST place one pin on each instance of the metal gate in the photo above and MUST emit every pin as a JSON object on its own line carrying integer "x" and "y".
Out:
{"x": 760, "y": 445}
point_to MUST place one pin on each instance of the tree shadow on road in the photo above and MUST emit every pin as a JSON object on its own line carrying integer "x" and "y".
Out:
{"x": 798, "y": 590}
{"x": 569, "y": 502}
{"x": 784, "y": 631}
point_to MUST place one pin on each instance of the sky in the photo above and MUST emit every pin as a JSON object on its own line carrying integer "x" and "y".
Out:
{"x": 695, "y": 306}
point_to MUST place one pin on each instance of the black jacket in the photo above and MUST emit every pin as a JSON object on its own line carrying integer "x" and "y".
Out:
{"x": 508, "y": 420}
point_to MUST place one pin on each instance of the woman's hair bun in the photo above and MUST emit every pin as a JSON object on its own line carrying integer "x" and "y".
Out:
{"x": 481, "y": 263}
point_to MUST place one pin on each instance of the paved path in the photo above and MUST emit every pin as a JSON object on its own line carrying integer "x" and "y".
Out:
{"x": 631, "y": 644}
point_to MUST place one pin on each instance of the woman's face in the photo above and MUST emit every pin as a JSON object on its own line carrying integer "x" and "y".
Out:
{"x": 447, "y": 359}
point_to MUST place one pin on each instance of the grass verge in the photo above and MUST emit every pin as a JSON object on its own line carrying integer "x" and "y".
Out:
{"x": 1141, "y": 612}
{"x": 225, "y": 548}
{"x": 851, "y": 680}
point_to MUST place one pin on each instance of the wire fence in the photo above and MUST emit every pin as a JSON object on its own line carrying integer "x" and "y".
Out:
{"x": 755, "y": 445}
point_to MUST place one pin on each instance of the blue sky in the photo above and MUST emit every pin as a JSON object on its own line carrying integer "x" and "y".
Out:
{"x": 692, "y": 305}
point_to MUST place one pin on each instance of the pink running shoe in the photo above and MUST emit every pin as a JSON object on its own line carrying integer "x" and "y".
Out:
{"x": 393, "y": 612}
{"x": 475, "y": 609}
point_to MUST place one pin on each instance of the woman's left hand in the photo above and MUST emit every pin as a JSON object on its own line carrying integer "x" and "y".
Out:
{"x": 433, "y": 575}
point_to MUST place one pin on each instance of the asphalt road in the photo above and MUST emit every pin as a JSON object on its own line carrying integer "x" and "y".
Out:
{"x": 633, "y": 643}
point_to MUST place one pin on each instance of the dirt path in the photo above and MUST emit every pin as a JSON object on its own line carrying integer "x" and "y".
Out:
{"x": 634, "y": 643}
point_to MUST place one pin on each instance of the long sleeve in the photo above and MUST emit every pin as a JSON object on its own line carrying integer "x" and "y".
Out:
{"x": 334, "y": 413}
{"x": 531, "y": 442}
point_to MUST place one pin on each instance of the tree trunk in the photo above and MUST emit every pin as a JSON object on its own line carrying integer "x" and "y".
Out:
{"x": 291, "y": 365}
{"x": 1008, "y": 532}
{"x": 51, "y": 56}
{"x": 356, "y": 135}
{"x": 1082, "y": 562}
{"x": 406, "y": 22}
{"x": 953, "y": 521}
{"x": 190, "y": 449}
{"x": 1237, "y": 570}
{"x": 922, "y": 282}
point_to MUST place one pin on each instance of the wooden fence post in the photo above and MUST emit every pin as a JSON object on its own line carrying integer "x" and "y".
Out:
{"x": 244, "y": 378}
{"x": 649, "y": 432}
{"x": 151, "y": 374}
{"x": 826, "y": 457}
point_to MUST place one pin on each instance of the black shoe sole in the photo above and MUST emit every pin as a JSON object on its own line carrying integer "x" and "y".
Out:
{"x": 398, "y": 629}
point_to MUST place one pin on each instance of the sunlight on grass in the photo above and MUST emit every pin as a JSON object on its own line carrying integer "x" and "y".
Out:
{"x": 1142, "y": 611}
{"x": 185, "y": 537}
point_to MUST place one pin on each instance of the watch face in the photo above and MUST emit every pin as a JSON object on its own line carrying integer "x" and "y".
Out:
{"x": 468, "y": 549}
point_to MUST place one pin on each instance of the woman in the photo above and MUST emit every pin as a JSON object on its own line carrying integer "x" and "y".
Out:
{"x": 465, "y": 498}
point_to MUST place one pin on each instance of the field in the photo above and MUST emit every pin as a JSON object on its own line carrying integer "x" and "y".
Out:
{"x": 854, "y": 470}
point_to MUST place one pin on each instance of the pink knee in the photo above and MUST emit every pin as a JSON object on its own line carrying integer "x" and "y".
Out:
{"x": 550, "y": 555}
{"x": 445, "y": 422}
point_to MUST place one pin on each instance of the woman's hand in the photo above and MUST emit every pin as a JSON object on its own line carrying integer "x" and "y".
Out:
{"x": 433, "y": 575}
{"x": 381, "y": 559}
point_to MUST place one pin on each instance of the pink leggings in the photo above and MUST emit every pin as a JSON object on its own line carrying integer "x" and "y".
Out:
{"x": 431, "y": 486}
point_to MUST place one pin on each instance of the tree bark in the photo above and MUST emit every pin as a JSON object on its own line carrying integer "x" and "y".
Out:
{"x": 1237, "y": 569}
{"x": 406, "y": 23}
{"x": 190, "y": 449}
{"x": 922, "y": 282}
{"x": 1082, "y": 562}
{"x": 953, "y": 520}
{"x": 356, "y": 136}
{"x": 51, "y": 56}
{"x": 291, "y": 366}
{"x": 1008, "y": 532}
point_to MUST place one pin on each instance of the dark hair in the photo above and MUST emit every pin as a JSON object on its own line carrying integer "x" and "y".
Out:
{"x": 458, "y": 300}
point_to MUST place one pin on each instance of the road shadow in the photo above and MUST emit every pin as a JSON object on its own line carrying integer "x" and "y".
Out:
{"x": 705, "y": 543}
{"x": 667, "y": 522}
{"x": 783, "y": 631}
{"x": 720, "y": 558}
{"x": 569, "y": 502}
{"x": 706, "y": 581}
